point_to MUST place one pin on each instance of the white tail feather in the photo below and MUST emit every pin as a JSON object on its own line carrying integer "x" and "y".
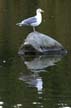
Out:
{"x": 19, "y": 24}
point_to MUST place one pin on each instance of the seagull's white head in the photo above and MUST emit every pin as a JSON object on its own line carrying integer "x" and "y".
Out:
{"x": 39, "y": 10}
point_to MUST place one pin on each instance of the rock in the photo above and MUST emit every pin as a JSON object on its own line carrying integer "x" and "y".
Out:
{"x": 40, "y": 43}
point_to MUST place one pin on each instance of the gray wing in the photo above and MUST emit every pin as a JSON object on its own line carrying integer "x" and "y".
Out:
{"x": 29, "y": 21}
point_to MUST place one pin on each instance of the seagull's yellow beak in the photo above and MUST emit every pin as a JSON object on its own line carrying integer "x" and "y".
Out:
{"x": 42, "y": 10}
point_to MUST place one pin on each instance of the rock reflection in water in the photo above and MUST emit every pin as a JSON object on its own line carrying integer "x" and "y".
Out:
{"x": 41, "y": 62}
{"x": 37, "y": 64}
{"x": 33, "y": 80}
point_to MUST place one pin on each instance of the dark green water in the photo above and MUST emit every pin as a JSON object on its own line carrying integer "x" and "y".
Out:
{"x": 34, "y": 82}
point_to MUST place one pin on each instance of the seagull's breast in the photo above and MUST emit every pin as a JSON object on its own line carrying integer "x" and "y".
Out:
{"x": 38, "y": 20}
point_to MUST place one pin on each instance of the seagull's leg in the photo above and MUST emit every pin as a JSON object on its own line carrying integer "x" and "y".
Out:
{"x": 34, "y": 29}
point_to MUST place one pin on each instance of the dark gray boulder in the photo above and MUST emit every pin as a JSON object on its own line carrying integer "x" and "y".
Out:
{"x": 40, "y": 43}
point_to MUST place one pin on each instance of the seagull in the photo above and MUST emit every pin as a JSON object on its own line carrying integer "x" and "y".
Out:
{"x": 32, "y": 21}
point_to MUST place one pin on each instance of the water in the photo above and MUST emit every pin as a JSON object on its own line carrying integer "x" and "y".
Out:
{"x": 40, "y": 81}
